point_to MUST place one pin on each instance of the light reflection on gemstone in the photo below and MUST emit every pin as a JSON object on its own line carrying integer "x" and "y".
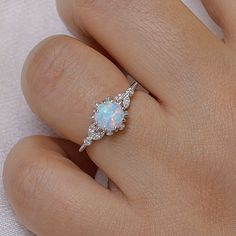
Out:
{"x": 109, "y": 116}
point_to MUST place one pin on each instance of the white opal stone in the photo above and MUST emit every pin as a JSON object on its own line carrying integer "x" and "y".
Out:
{"x": 109, "y": 116}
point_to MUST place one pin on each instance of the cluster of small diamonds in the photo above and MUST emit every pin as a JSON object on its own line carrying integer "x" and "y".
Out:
{"x": 94, "y": 133}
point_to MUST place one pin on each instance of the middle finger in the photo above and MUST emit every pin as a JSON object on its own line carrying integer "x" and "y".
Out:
{"x": 158, "y": 42}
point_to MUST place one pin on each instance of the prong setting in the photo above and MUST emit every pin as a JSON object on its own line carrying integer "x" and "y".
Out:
{"x": 107, "y": 99}
{"x": 109, "y": 133}
{"x": 122, "y": 127}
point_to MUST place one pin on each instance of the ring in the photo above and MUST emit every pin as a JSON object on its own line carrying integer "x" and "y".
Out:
{"x": 109, "y": 116}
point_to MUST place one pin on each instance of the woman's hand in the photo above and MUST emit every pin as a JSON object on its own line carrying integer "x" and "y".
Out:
{"x": 173, "y": 170}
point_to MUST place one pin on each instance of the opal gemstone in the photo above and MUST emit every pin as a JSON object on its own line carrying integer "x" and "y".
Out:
{"x": 109, "y": 116}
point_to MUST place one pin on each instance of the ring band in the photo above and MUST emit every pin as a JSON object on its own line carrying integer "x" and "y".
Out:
{"x": 109, "y": 116}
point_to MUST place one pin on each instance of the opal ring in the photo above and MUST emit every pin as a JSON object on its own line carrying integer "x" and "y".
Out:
{"x": 109, "y": 116}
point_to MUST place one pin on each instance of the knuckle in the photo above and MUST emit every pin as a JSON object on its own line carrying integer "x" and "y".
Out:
{"x": 57, "y": 67}
{"x": 46, "y": 64}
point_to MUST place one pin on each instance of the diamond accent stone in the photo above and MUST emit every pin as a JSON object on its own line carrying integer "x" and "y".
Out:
{"x": 126, "y": 102}
{"x": 123, "y": 100}
{"x": 130, "y": 91}
{"x": 119, "y": 97}
{"x": 95, "y": 133}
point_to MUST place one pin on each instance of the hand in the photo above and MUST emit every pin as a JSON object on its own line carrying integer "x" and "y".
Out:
{"x": 172, "y": 171}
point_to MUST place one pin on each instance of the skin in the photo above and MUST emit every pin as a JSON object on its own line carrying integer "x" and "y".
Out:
{"x": 172, "y": 171}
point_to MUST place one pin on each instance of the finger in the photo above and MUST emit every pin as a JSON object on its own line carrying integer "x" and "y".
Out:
{"x": 63, "y": 80}
{"x": 52, "y": 196}
{"x": 152, "y": 40}
{"x": 223, "y": 12}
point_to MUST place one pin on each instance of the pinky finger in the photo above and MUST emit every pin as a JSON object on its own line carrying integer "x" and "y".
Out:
{"x": 52, "y": 196}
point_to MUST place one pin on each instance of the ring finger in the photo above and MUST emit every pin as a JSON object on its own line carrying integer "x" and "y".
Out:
{"x": 62, "y": 81}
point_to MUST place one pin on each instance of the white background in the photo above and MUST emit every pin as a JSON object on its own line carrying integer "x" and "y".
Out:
{"x": 23, "y": 23}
